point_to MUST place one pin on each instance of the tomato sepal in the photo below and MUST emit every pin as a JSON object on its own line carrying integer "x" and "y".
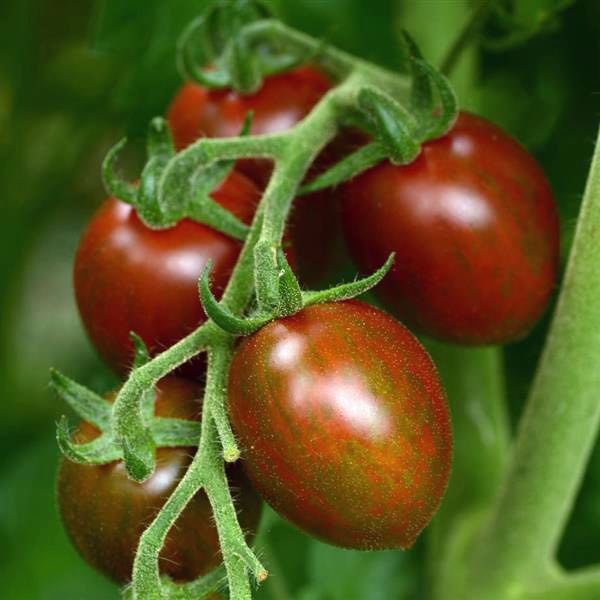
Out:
{"x": 100, "y": 451}
{"x": 88, "y": 405}
{"x": 355, "y": 163}
{"x": 347, "y": 291}
{"x": 290, "y": 294}
{"x": 222, "y": 317}
{"x": 394, "y": 126}
{"x": 141, "y": 353}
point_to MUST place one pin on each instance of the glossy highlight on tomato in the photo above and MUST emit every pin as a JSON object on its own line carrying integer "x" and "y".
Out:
{"x": 128, "y": 277}
{"x": 105, "y": 513}
{"x": 344, "y": 424}
{"x": 475, "y": 230}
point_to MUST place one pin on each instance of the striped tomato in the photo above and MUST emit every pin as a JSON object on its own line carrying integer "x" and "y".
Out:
{"x": 475, "y": 230}
{"x": 344, "y": 424}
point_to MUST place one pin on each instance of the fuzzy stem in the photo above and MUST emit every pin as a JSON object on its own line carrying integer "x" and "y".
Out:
{"x": 206, "y": 470}
{"x": 297, "y": 148}
{"x": 558, "y": 428}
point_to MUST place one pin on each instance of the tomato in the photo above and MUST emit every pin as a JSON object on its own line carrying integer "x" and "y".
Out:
{"x": 277, "y": 106}
{"x": 104, "y": 512}
{"x": 343, "y": 423}
{"x": 128, "y": 277}
{"x": 475, "y": 230}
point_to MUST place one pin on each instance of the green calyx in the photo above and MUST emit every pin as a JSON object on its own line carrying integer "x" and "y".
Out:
{"x": 193, "y": 199}
{"x": 159, "y": 432}
{"x": 291, "y": 299}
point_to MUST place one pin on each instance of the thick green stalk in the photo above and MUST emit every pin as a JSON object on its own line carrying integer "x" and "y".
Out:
{"x": 557, "y": 431}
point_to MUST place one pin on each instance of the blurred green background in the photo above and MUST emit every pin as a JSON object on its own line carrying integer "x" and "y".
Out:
{"x": 74, "y": 76}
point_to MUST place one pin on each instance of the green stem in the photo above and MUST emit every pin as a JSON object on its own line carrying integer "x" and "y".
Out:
{"x": 558, "y": 429}
{"x": 336, "y": 62}
{"x": 292, "y": 152}
{"x": 206, "y": 470}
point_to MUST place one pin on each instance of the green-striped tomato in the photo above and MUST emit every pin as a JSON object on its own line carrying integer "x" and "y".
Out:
{"x": 104, "y": 512}
{"x": 344, "y": 424}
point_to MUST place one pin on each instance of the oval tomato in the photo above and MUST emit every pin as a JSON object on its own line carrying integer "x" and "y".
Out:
{"x": 343, "y": 423}
{"x": 475, "y": 230}
{"x": 105, "y": 513}
{"x": 128, "y": 277}
{"x": 281, "y": 102}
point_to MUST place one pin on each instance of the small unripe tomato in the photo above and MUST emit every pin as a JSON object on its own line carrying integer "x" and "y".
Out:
{"x": 128, "y": 277}
{"x": 475, "y": 230}
{"x": 105, "y": 513}
{"x": 343, "y": 424}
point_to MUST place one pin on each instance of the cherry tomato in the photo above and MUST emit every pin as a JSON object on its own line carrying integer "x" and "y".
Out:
{"x": 128, "y": 277}
{"x": 344, "y": 424}
{"x": 104, "y": 512}
{"x": 475, "y": 230}
{"x": 279, "y": 104}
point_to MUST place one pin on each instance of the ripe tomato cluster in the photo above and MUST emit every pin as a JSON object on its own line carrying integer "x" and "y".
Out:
{"x": 339, "y": 411}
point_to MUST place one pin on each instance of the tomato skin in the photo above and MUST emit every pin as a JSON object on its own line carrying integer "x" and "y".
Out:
{"x": 104, "y": 512}
{"x": 344, "y": 424}
{"x": 128, "y": 277}
{"x": 475, "y": 230}
{"x": 281, "y": 102}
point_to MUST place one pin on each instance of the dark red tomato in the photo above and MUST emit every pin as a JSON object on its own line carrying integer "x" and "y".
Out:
{"x": 128, "y": 277}
{"x": 277, "y": 106}
{"x": 344, "y": 424}
{"x": 475, "y": 230}
{"x": 105, "y": 513}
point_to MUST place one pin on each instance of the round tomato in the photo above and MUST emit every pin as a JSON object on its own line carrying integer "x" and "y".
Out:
{"x": 128, "y": 277}
{"x": 277, "y": 106}
{"x": 344, "y": 424}
{"x": 475, "y": 230}
{"x": 105, "y": 513}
